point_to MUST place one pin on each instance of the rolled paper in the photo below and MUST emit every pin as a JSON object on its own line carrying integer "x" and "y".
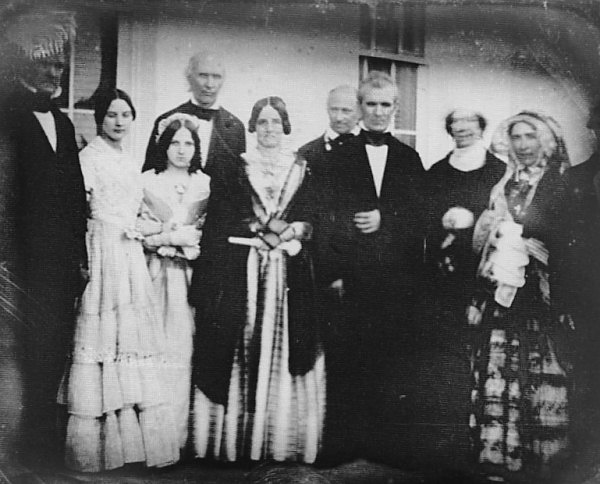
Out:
{"x": 292, "y": 247}
{"x": 249, "y": 242}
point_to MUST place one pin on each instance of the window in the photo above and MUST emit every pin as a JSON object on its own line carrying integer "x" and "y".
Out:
{"x": 392, "y": 39}
{"x": 92, "y": 68}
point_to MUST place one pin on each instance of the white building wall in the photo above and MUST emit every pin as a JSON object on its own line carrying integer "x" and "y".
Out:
{"x": 298, "y": 67}
{"x": 464, "y": 74}
{"x": 301, "y": 56}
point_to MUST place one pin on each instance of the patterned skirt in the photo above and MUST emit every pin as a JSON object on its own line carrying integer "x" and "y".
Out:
{"x": 270, "y": 413}
{"x": 520, "y": 395}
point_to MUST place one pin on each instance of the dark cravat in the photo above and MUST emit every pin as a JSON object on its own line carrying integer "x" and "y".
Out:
{"x": 204, "y": 113}
{"x": 376, "y": 138}
{"x": 341, "y": 139}
{"x": 40, "y": 103}
{"x": 337, "y": 142}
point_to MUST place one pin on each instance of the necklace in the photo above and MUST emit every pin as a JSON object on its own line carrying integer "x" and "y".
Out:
{"x": 180, "y": 189}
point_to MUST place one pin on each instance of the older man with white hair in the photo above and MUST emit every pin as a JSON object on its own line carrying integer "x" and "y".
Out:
{"x": 45, "y": 217}
{"x": 221, "y": 134}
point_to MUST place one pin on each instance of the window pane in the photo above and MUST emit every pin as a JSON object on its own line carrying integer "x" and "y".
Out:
{"x": 95, "y": 57}
{"x": 386, "y": 27}
{"x": 366, "y": 27}
{"x": 85, "y": 127}
{"x": 413, "y": 32}
{"x": 406, "y": 80}
{"x": 88, "y": 60}
{"x": 409, "y": 139}
{"x": 378, "y": 64}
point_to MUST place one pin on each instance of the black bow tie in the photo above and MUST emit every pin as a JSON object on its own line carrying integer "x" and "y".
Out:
{"x": 40, "y": 103}
{"x": 376, "y": 138}
{"x": 204, "y": 113}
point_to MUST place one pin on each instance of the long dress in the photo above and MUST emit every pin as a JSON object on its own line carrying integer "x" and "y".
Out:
{"x": 113, "y": 386}
{"x": 259, "y": 368}
{"x": 178, "y": 207}
{"x": 522, "y": 361}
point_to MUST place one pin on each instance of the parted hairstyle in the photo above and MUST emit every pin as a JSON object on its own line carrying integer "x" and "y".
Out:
{"x": 278, "y": 105}
{"x": 450, "y": 119}
{"x": 103, "y": 101}
{"x": 164, "y": 141}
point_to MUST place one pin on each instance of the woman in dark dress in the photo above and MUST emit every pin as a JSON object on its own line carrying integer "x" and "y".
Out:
{"x": 458, "y": 190}
{"x": 258, "y": 366}
{"x": 521, "y": 363}
{"x": 459, "y": 186}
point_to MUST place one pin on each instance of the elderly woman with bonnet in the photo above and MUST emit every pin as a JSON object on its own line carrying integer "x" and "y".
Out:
{"x": 459, "y": 187}
{"x": 521, "y": 359}
{"x": 258, "y": 365}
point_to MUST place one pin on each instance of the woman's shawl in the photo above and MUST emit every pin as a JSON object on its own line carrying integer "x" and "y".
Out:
{"x": 244, "y": 207}
{"x": 539, "y": 208}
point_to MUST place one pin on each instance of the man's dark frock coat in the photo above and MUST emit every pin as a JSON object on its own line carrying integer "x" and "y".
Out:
{"x": 369, "y": 370}
{"x": 46, "y": 217}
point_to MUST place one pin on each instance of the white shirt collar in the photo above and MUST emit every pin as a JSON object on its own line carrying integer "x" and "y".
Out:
{"x": 215, "y": 105}
{"x": 361, "y": 125}
{"x": 330, "y": 134}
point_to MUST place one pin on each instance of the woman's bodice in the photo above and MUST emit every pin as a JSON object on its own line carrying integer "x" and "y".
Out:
{"x": 113, "y": 183}
{"x": 180, "y": 198}
{"x": 269, "y": 177}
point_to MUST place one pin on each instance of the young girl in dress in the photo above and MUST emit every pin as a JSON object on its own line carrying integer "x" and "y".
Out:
{"x": 175, "y": 195}
{"x": 114, "y": 384}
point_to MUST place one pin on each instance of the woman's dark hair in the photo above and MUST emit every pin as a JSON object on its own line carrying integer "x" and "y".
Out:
{"x": 278, "y": 105}
{"x": 450, "y": 119}
{"x": 103, "y": 101}
{"x": 164, "y": 141}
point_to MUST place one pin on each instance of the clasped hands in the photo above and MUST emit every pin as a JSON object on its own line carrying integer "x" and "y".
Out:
{"x": 166, "y": 237}
{"x": 278, "y": 234}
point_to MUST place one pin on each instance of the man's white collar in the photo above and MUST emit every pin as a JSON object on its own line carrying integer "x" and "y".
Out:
{"x": 330, "y": 134}
{"x": 215, "y": 105}
{"x": 389, "y": 129}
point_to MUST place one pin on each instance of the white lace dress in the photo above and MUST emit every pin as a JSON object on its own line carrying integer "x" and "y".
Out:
{"x": 114, "y": 383}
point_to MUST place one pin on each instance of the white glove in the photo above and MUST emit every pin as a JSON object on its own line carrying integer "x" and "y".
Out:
{"x": 458, "y": 218}
{"x": 188, "y": 235}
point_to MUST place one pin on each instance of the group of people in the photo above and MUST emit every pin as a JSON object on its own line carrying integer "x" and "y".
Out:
{"x": 238, "y": 301}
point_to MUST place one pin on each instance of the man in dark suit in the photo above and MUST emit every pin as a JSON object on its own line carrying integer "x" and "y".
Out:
{"x": 222, "y": 136}
{"x": 343, "y": 112}
{"x": 47, "y": 217}
{"x": 342, "y": 109}
{"x": 376, "y": 243}
{"x": 583, "y": 282}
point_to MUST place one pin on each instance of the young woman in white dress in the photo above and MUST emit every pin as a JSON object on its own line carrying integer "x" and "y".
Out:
{"x": 176, "y": 192}
{"x": 114, "y": 388}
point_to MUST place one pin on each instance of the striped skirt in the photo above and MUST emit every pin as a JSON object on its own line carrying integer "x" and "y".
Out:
{"x": 270, "y": 413}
